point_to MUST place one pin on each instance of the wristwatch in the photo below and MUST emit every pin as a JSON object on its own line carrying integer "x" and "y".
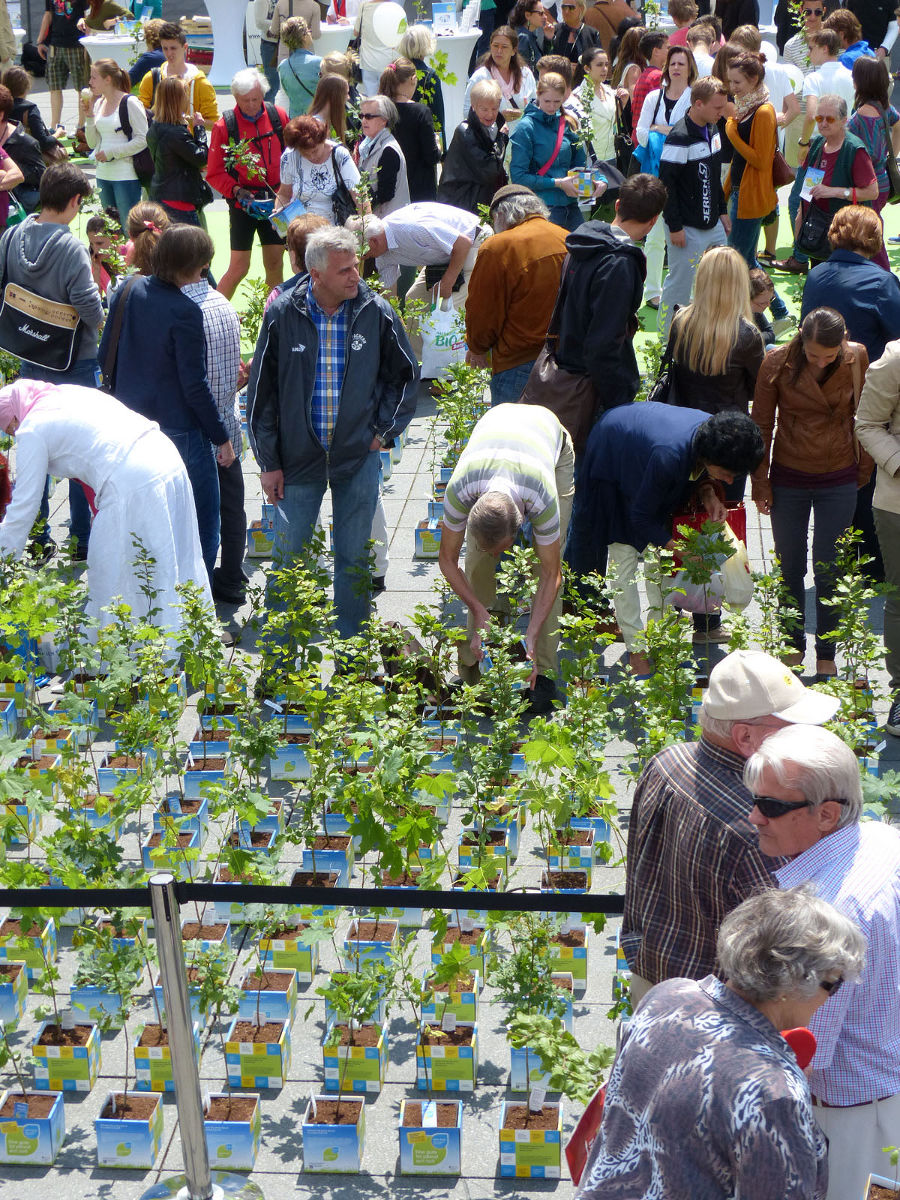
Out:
{"x": 846, "y": 193}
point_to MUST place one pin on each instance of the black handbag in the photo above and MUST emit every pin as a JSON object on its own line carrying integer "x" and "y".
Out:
{"x": 143, "y": 160}
{"x": 622, "y": 144}
{"x": 663, "y": 389}
{"x": 813, "y": 236}
{"x": 342, "y": 203}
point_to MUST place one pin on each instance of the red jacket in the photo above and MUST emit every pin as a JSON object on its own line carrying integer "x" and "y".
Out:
{"x": 648, "y": 81}
{"x": 262, "y": 139}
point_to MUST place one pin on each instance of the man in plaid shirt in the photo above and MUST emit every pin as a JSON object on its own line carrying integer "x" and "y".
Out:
{"x": 692, "y": 853}
{"x": 807, "y": 803}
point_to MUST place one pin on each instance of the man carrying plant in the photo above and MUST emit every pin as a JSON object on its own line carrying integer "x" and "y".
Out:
{"x": 333, "y": 380}
{"x": 509, "y": 471}
{"x": 692, "y": 854}
{"x": 807, "y": 804}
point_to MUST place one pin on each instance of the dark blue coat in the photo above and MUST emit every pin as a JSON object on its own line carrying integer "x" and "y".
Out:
{"x": 866, "y": 296}
{"x": 637, "y": 467}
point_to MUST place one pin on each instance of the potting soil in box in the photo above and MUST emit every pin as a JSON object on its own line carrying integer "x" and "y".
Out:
{"x": 232, "y": 1126}
{"x": 462, "y": 1003}
{"x": 475, "y": 940}
{"x": 335, "y": 1148}
{"x": 568, "y": 956}
{"x": 132, "y": 1142}
{"x": 272, "y": 999}
{"x": 427, "y": 1146}
{"x": 448, "y": 1064}
{"x": 67, "y": 1068}
{"x": 289, "y": 952}
{"x": 256, "y": 1063}
{"x": 36, "y": 1135}
{"x": 531, "y": 1153}
{"x": 371, "y": 941}
{"x": 153, "y": 1060}
{"x": 260, "y": 539}
{"x": 32, "y": 950}
{"x": 356, "y": 1068}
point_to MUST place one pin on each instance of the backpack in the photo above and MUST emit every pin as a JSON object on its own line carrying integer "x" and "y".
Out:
{"x": 143, "y": 160}
{"x": 231, "y": 128}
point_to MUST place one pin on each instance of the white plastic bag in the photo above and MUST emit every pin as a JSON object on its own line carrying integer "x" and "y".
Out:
{"x": 443, "y": 338}
{"x": 696, "y": 597}
{"x": 736, "y": 573}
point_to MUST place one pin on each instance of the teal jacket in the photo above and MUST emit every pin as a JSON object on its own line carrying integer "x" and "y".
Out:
{"x": 532, "y": 141}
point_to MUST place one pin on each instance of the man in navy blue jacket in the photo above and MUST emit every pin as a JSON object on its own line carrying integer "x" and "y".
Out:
{"x": 641, "y": 464}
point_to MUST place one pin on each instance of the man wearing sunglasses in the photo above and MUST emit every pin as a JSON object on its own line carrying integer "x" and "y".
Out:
{"x": 692, "y": 854}
{"x": 807, "y": 802}
{"x": 796, "y": 50}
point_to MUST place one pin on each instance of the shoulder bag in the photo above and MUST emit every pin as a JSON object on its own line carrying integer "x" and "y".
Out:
{"x": 622, "y": 144}
{"x": 781, "y": 172}
{"x": 890, "y": 162}
{"x": 37, "y": 330}
{"x": 663, "y": 389}
{"x": 559, "y": 139}
{"x": 342, "y": 203}
{"x": 108, "y": 366}
{"x": 143, "y": 160}
{"x": 813, "y": 235}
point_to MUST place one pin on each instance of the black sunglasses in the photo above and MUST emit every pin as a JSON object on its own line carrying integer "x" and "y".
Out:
{"x": 831, "y": 985}
{"x": 813, "y": 12}
{"x": 771, "y": 808}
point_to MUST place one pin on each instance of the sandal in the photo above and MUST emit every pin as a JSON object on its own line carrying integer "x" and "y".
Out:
{"x": 766, "y": 256}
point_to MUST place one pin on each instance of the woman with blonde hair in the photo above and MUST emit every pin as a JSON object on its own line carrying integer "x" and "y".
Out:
{"x": 113, "y": 149}
{"x": 299, "y": 72}
{"x": 179, "y": 153}
{"x": 714, "y": 346}
{"x": 329, "y": 106}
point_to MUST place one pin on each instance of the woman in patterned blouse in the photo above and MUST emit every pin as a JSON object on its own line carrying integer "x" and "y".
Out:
{"x": 706, "y": 1100}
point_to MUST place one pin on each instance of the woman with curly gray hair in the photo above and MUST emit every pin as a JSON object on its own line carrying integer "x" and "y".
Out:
{"x": 706, "y": 1098}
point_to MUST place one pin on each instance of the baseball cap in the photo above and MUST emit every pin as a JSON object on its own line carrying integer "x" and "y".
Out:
{"x": 749, "y": 683}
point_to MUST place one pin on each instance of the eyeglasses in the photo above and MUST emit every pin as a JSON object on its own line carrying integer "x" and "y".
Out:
{"x": 813, "y": 12}
{"x": 826, "y": 120}
{"x": 772, "y": 809}
{"x": 369, "y": 116}
{"x": 831, "y": 985}
{"x": 564, "y": 7}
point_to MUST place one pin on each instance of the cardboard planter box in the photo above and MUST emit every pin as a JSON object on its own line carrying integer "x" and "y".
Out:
{"x": 194, "y": 776}
{"x": 272, "y": 1002}
{"x": 153, "y": 1064}
{"x": 575, "y": 857}
{"x": 108, "y": 776}
{"x": 289, "y": 953}
{"x": 530, "y": 1153}
{"x": 32, "y": 1140}
{"x": 340, "y": 856}
{"x": 98, "y": 812}
{"x": 572, "y": 959}
{"x": 184, "y": 815}
{"x": 81, "y": 722}
{"x": 128, "y": 1142}
{"x": 428, "y": 539}
{"x": 43, "y": 740}
{"x": 600, "y": 828}
{"x": 336, "y": 1149}
{"x": 371, "y": 949}
{"x": 476, "y": 940}
{"x": 232, "y": 1144}
{"x": 427, "y": 1148}
{"x": 880, "y": 1181}
{"x": 356, "y": 1068}
{"x": 525, "y": 1070}
{"x": 67, "y": 1068}
{"x": 8, "y": 717}
{"x": 206, "y": 939}
{"x": 32, "y": 950}
{"x": 180, "y": 859}
{"x": 28, "y": 824}
{"x": 260, "y": 539}
{"x": 93, "y": 1001}
{"x": 257, "y": 1064}
{"x": 446, "y": 1067}
{"x": 379, "y": 1016}
{"x": 13, "y": 993}
{"x": 463, "y": 1003}
{"x": 497, "y": 850}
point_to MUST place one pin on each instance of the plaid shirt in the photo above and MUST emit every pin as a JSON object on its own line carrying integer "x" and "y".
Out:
{"x": 857, "y": 1031}
{"x": 330, "y": 365}
{"x": 223, "y": 354}
{"x": 648, "y": 81}
{"x": 692, "y": 857}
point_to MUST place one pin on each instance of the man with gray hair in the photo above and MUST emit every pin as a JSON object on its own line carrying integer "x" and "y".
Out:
{"x": 807, "y": 803}
{"x": 253, "y": 119}
{"x": 513, "y": 289}
{"x": 333, "y": 381}
{"x": 508, "y": 471}
{"x": 692, "y": 854}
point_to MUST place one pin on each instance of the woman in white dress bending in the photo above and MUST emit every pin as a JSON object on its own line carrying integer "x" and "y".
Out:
{"x": 140, "y": 485}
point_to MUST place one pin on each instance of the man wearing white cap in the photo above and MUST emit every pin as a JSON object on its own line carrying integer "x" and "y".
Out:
{"x": 693, "y": 855}
{"x": 806, "y": 795}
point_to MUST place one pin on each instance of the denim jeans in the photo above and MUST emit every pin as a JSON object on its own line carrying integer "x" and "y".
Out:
{"x": 181, "y": 216}
{"x": 83, "y": 372}
{"x": 832, "y": 513}
{"x": 744, "y": 238}
{"x": 353, "y": 500}
{"x": 793, "y": 209}
{"x": 199, "y": 458}
{"x": 567, "y": 216}
{"x": 122, "y": 194}
{"x": 507, "y": 386}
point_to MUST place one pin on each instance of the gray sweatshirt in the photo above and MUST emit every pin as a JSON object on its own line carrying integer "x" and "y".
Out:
{"x": 48, "y": 259}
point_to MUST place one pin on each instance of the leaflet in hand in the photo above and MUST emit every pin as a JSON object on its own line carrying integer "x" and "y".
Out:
{"x": 814, "y": 175}
{"x": 280, "y": 220}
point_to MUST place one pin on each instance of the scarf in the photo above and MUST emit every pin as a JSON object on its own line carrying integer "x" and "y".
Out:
{"x": 508, "y": 88}
{"x": 369, "y": 145}
{"x": 745, "y": 105}
{"x": 20, "y": 397}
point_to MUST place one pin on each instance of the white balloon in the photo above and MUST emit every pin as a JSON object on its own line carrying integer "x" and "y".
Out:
{"x": 389, "y": 22}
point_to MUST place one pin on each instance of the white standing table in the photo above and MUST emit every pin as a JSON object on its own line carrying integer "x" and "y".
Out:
{"x": 458, "y": 48}
{"x": 332, "y": 39}
{"x": 227, "y": 17}
{"x": 116, "y": 46}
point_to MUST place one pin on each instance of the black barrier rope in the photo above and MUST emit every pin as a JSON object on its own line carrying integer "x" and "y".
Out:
{"x": 344, "y": 897}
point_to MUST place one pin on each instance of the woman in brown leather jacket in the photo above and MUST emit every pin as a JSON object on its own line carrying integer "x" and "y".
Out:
{"x": 812, "y": 387}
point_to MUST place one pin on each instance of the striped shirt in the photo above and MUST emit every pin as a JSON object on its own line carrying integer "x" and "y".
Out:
{"x": 692, "y": 857}
{"x": 514, "y": 451}
{"x": 796, "y": 52}
{"x": 330, "y": 364}
{"x": 222, "y": 328}
{"x": 857, "y": 1030}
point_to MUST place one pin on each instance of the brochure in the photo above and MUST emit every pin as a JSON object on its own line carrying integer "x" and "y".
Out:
{"x": 280, "y": 220}
{"x": 814, "y": 175}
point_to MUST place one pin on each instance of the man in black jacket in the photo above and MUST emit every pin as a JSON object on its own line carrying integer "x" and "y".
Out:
{"x": 602, "y": 289}
{"x": 695, "y": 214}
{"x": 333, "y": 380}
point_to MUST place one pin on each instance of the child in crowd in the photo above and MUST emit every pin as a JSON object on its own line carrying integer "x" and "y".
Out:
{"x": 762, "y": 289}
{"x": 104, "y": 253}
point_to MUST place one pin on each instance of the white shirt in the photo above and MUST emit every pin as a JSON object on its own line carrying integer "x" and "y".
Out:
{"x": 314, "y": 183}
{"x": 796, "y": 52}
{"x": 653, "y": 112}
{"x": 106, "y": 134}
{"x": 830, "y": 77}
{"x": 422, "y": 234}
{"x": 704, "y": 64}
{"x": 857, "y": 1031}
{"x": 527, "y": 90}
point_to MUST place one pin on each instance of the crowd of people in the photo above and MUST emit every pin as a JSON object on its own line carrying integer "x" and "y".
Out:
{"x": 600, "y": 169}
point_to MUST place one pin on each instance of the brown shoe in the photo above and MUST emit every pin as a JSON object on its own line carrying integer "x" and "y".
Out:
{"x": 791, "y": 265}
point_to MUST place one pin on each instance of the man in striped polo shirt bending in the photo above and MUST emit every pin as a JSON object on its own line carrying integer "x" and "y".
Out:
{"x": 511, "y": 469}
